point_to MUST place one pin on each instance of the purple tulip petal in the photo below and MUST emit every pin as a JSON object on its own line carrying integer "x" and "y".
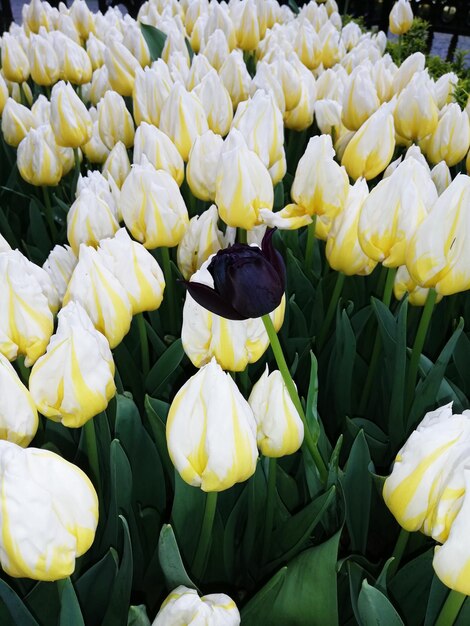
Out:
{"x": 212, "y": 301}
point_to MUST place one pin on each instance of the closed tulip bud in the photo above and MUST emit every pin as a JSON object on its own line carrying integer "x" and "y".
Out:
{"x": 198, "y": 39}
{"x": 383, "y": 80}
{"x": 332, "y": 46}
{"x": 22, "y": 93}
{"x": 135, "y": 42}
{"x": 153, "y": 207}
{"x": 280, "y": 431}
{"x": 307, "y": 45}
{"x": 114, "y": 121}
{"x": 95, "y": 150}
{"x": 426, "y": 488}
{"x": 350, "y": 35}
{"x": 122, "y": 67}
{"x": 266, "y": 79}
{"x": 441, "y": 176}
{"x": 18, "y": 415}
{"x": 66, "y": 26}
{"x": 290, "y": 79}
{"x": 243, "y": 184}
{"x": 101, "y": 294}
{"x": 174, "y": 43}
{"x": 90, "y": 219}
{"x": 3, "y": 94}
{"x": 211, "y": 431}
{"x": 184, "y": 605}
{"x": 235, "y": 77}
{"x": 445, "y": 87}
{"x": 17, "y": 120}
{"x": 200, "y": 66}
{"x": 38, "y": 160}
{"x": 414, "y": 63}
{"x": 41, "y": 110}
{"x": 301, "y": 117}
{"x": 82, "y": 17}
{"x": 59, "y": 517}
{"x": 74, "y": 63}
{"x": 401, "y": 17}
{"x": 451, "y": 139}
{"x": 183, "y": 119}
{"x": 70, "y": 120}
{"x": 416, "y": 112}
{"x": 95, "y": 50}
{"x": 245, "y": 21}
{"x": 159, "y": 150}
{"x": 404, "y": 284}
{"x": 151, "y": 89}
{"x": 99, "y": 85}
{"x": 216, "y": 102}
{"x": 343, "y": 250}
{"x": 328, "y": 116}
{"x": 219, "y": 17}
{"x": 437, "y": 257}
{"x": 43, "y": 61}
{"x": 193, "y": 11}
{"x": 371, "y": 148}
{"x": 36, "y": 16}
{"x": 117, "y": 165}
{"x": 360, "y": 99}
{"x": 202, "y": 165}
{"x": 60, "y": 265}
{"x": 15, "y": 64}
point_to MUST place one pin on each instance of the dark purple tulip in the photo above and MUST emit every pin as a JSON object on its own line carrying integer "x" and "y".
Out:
{"x": 248, "y": 281}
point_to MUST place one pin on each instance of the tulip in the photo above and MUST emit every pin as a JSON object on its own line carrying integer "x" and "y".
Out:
{"x": 58, "y": 517}
{"x": 136, "y": 269}
{"x": 95, "y": 150}
{"x": 194, "y": 10}
{"x": 117, "y": 165}
{"x": 245, "y": 21}
{"x": 445, "y": 87}
{"x": 66, "y": 26}
{"x": 383, "y": 80}
{"x": 243, "y": 184}
{"x": 75, "y": 65}
{"x": 200, "y": 66}
{"x": 70, "y": 120}
{"x": 153, "y": 207}
{"x": 401, "y": 17}
{"x": 18, "y": 415}
{"x": 60, "y": 265}
{"x": 301, "y": 117}
{"x": 211, "y": 431}
{"x": 99, "y": 85}
{"x": 416, "y": 112}
{"x": 280, "y": 431}
{"x": 82, "y": 17}
{"x": 202, "y": 165}
{"x": 414, "y": 63}
{"x": 183, "y": 605}
{"x": 183, "y": 119}
{"x": 350, "y": 35}
{"x": 36, "y": 16}
{"x": 3, "y": 94}
{"x": 328, "y": 116}
{"x": 151, "y": 89}
{"x": 426, "y": 487}
{"x": 101, "y": 295}
{"x": 437, "y": 256}
{"x": 41, "y": 111}
{"x": 174, "y": 44}
{"x": 266, "y": 79}
{"x": 17, "y": 120}
{"x": 198, "y": 34}
{"x": 441, "y": 176}
{"x": 290, "y": 79}
{"x": 122, "y": 67}
{"x": 15, "y": 65}
{"x": 307, "y": 45}
{"x": 135, "y": 42}
{"x": 216, "y": 102}
{"x": 451, "y": 139}
{"x": 219, "y": 18}
{"x": 89, "y": 220}
{"x": 235, "y": 77}
{"x": 404, "y": 284}
{"x": 216, "y": 49}
{"x": 43, "y": 61}
{"x": 114, "y": 121}
{"x": 393, "y": 210}
{"x": 371, "y": 149}
{"x": 330, "y": 85}
{"x": 178, "y": 66}
{"x": 159, "y": 150}
{"x": 332, "y": 46}
{"x": 360, "y": 99}
{"x": 95, "y": 50}
{"x": 38, "y": 160}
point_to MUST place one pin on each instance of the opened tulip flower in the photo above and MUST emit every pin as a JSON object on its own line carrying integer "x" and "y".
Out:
{"x": 159, "y": 150}
{"x": 114, "y": 121}
{"x": 183, "y": 605}
{"x": 90, "y": 219}
{"x": 46, "y": 523}
{"x": 211, "y": 431}
{"x": 401, "y": 17}
{"x": 60, "y": 265}
{"x": 70, "y": 120}
{"x": 38, "y": 158}
{"x": 18, "y": 414}
{"x": 404, "y": 284}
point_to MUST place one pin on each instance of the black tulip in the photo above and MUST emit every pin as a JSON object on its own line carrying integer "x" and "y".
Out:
{"x": 248, "y": 281}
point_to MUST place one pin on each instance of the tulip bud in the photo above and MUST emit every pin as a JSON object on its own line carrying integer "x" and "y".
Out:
{"x": 135, "y": 42}
{"x": 426, "y": 487}
{"x": 101, "y": 295}
{"x": 99, "y": 85}
{"x": 441, "y": 176}
{"x": 301, "y": 117}
{"x": 404, "y": 284}
{"x": 219, "y": 17}
{"x": 136, "y": 269}
{"x": 350, "y": 35}
{"x": 122, "y": 67}
{"x": 95, "y": 49}
{"x": 18, "y": 415}
{"x": 360, "y": 99}
{"x": 159, "y": 150}
{"x": 194, "y": 10}
{"x": 437, "y": 257}
{"x": 15, "y": 65}
{"x": 60, "y": 265}
{"x": 235, "y": 77}
{"x": 416, "y": 112}
{"x": 82, "y": 17}
{"x": 75, "y": 65}
{"x": 89, "y": 220}
{"x": 36, "y": 16}
{"x": 202, "y": 165}
{"x": 117, "y": 165}
{"x": 183, "y": 604}
{"x": 445, "y": 87}
{"x": 332, "y": 46}
{"x": 328, "y": 116}
{"x": 95, "y": 150}
{"x": 451, "y": 139}
{"x": 307, "y": 45}
{"x": 38, "y": 160}
{"x": 3, "y": 94}
{"x": 216, "y": 102}
{"x": 280, "y": 431}
{"x": 114, "y": 121}
{"x": 266, "y": 79}
{"x": 174, "y": 43}
{"x": 401, "y": 17}
{"x": 414, "y": 63}
{"x": 290, "y": 79}
{"x": 151, "y": 89}
{"x": 153, "y": 207}
{"x": 43, "y": 61}
{"x": 59, "y": 517}
{"x": 371, "y": 148}
{"x": 17, "y": 120}
{"x": 70, "y": 120}
{"x": 245, "y": 21}
{"x": 200, "y": 66}
{"x": 211, "y": 431}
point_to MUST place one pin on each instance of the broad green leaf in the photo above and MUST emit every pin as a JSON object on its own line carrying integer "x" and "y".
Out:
{"x": 157, "y": 411}
{"x": 42, "y": 601}
{"x": 279, "y": 196}
{"x": 311, "y": 411}
{"x": 358, "y": 499}
{"x": 155, "y": 40}
{"x": 116, "y": 615}
{"x": 375, "y": 609}
{"x": 164, "y": 368}
{"x": 188, "y": 504}
{"x": 15, "y": 607}
{"x": 37, "y": 228}
{"x": 189, "y": 49}
{"x": 94, "y": 589}
{"x": 410, "y": 588}
{"x": 171, "y": 561}
{"x": 70, "y": 613}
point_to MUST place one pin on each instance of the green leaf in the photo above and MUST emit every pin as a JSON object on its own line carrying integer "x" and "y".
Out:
{"x": 164, "y": 368}
{"x": 137, "y": 616}
{"x": 311, "y": 411}
{"x": 358, "y": 500}
{"x": 341, "y": 370}
{"x": 279, "y": 196}
{"x": 157, "y": 412}
{"x": 188, "y": 504}
{"x": 189, "y": 48}
{"x": 410, "y": 588}
{"x": 375, "y": 609}
{"x": 37, "y": 228}
{"x": 171, "y": 561}
{"x": 116, "y": 615}
{"x": 94, "y": 589}
{"x": 70, "y": 613}
{"x": 155, "y": 40}
{"x": 294, "y": 6}
{"x": 42, "y": 601}
{"x": 18, "y": 611}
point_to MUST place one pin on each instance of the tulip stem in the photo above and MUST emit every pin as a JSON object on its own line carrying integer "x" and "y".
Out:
{"x": 331, "y": 310}
{"x": 169, "y": 288}
{"x": 310, "y": 243}
{"x": 451, "y": 608}
{"x": 398, "y": 552}
{"x": 419, "y": 345}
{"x": 92, "y": 451}
{"x": 203, "y": 546}
{"x": 242, "y": 236}
{"x": 144, "y": 344}
{"x": 77, "y": 170}
{"x": 289, "y": 383}
{"x": 48, "y": 212}
{"x": 270, "y": 498}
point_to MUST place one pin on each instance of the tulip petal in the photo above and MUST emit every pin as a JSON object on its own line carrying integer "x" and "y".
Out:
{"x": 212, "y": 301}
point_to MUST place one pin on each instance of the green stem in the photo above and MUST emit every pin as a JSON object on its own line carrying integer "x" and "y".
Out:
{"x": 399, "y": 50}
{"x": 24, "y": 371}
{"x": 48, "y": 212}
{"x": 270, "y": 498}
{"x": 23, "y": 99}
{"x": 77, "y": 170}
{"x": 388, "y": 290}
{"x": 244, "y": 381}
{"x": 92, "y": 451}
{"x": 398, "y": 551}
{"x": 419, "y": 345}
{"x": 242, "y": 236}
{"x": 331, "y": 310}
{"x": 169, "y": 289}
{"x": 451, "y": 608}
{"x": 289, "y": 383}
{"x": 144, "y": 344}
{"x": 203, "y": 546}
{"x": 310, "y": 243}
